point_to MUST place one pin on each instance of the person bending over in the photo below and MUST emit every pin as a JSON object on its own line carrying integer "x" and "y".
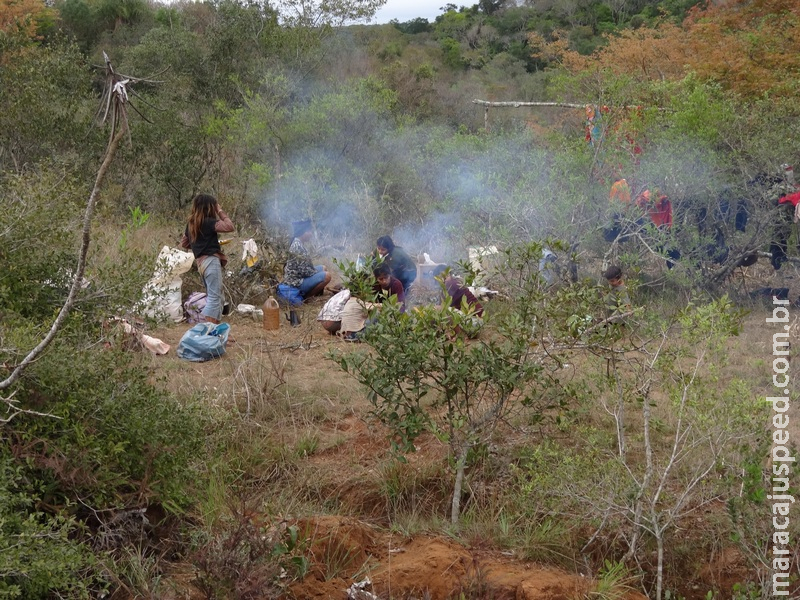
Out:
{"x": 330, "y": 315}
{"x": 402, "y": 266}
{"x": 457, "y": 293}
{"x": 206, "y": 221}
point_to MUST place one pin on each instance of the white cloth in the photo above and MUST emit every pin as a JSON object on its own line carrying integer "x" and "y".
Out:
{"x": 481, "y": 260}
{"x": 333, "y": 308}
{"x": 154, "y": 345}
{"x": 354, "y": 315}
{"x": 547, "y": 265}
{"x": 249, "y": 252}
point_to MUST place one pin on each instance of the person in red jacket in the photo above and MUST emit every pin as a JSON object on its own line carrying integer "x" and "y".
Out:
{"x": 794, "y": 200}
{"x": 661, "y": 212}
{"x": 658, "y": 207}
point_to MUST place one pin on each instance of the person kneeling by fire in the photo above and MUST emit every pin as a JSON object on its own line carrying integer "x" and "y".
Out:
{"x": 457, "y": 297}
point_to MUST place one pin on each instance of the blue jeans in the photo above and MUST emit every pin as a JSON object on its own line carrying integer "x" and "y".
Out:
{"x": 312, "y": 281}
{"x": 211, "y": 270}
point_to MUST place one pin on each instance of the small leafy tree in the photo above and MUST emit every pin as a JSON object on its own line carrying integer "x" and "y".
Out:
{"x": 684, "y": 436}
{"x": 424, "y": 376}
{"x": 37, "y": 555}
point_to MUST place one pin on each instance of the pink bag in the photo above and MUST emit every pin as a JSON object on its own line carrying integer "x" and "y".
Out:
{"x": 194, "y": 306}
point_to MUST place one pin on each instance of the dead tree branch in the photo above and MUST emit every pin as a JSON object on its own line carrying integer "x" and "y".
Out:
{"x": 114, "y": 105}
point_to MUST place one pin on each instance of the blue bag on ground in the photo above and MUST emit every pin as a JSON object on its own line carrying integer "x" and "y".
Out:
{"x": 204, "y": 341}
{"x": 289, "y": 295}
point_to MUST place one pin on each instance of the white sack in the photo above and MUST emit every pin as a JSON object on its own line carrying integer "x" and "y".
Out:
{"x": 161, "y": 297}
{"x": 249, "y": 252}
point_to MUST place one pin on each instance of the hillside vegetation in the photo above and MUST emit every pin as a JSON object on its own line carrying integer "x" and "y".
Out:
{"x": 631, "y": 457}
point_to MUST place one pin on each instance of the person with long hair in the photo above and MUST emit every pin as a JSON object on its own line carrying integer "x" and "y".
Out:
{"x": 402, "y": 266}
{"x": 201, "y": 235}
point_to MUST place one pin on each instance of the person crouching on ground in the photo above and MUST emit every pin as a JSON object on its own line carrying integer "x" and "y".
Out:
{"x": 355, "y": 314}
{"x": 387, "y": 285}
{"x": 401, "y": 265}
{"x": 330, "y": 316}
{"x": 206, "y": 221}
{"x": 458, "y": 298}
{"x": 456, "y": 292}
{"x": 617, "y": 301}
{"x": 299, "y": 271}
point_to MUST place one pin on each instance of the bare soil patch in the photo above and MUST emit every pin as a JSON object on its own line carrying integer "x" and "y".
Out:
{"x": 427, "y": 567}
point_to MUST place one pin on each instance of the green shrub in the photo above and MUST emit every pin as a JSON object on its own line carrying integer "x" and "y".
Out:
{"x": 116, "y": 439}
{"x": 37, "y": 556}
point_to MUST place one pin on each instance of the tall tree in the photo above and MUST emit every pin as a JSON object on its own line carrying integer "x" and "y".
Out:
{"x": 748, "y": 47}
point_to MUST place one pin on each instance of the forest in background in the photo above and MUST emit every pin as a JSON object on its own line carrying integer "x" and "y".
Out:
{"x": 301, "y": 110}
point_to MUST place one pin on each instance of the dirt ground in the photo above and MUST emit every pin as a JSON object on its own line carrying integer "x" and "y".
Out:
{"x": 435, "y": 568}
{"x": 430, "y": 567}
{"x": 419, "y": 566}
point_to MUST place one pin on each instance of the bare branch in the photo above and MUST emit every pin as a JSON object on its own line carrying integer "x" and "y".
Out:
{"x": 114, "y": 99}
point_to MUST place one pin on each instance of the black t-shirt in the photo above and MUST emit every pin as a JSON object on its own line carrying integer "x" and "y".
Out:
{"x": 207, "y": 242}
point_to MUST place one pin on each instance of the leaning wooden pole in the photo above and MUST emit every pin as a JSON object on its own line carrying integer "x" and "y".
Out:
{"x": 115, "y": 99}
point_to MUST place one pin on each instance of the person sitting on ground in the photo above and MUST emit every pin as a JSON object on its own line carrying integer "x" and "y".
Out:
{"x": 401, "y": 264}
{"x": 330, "y": 316}
{"x": 299, "y": 271}
{"x": 387, "y": 286}
{"x": 617, "y": 300}
{"x": 457, "y": 293}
